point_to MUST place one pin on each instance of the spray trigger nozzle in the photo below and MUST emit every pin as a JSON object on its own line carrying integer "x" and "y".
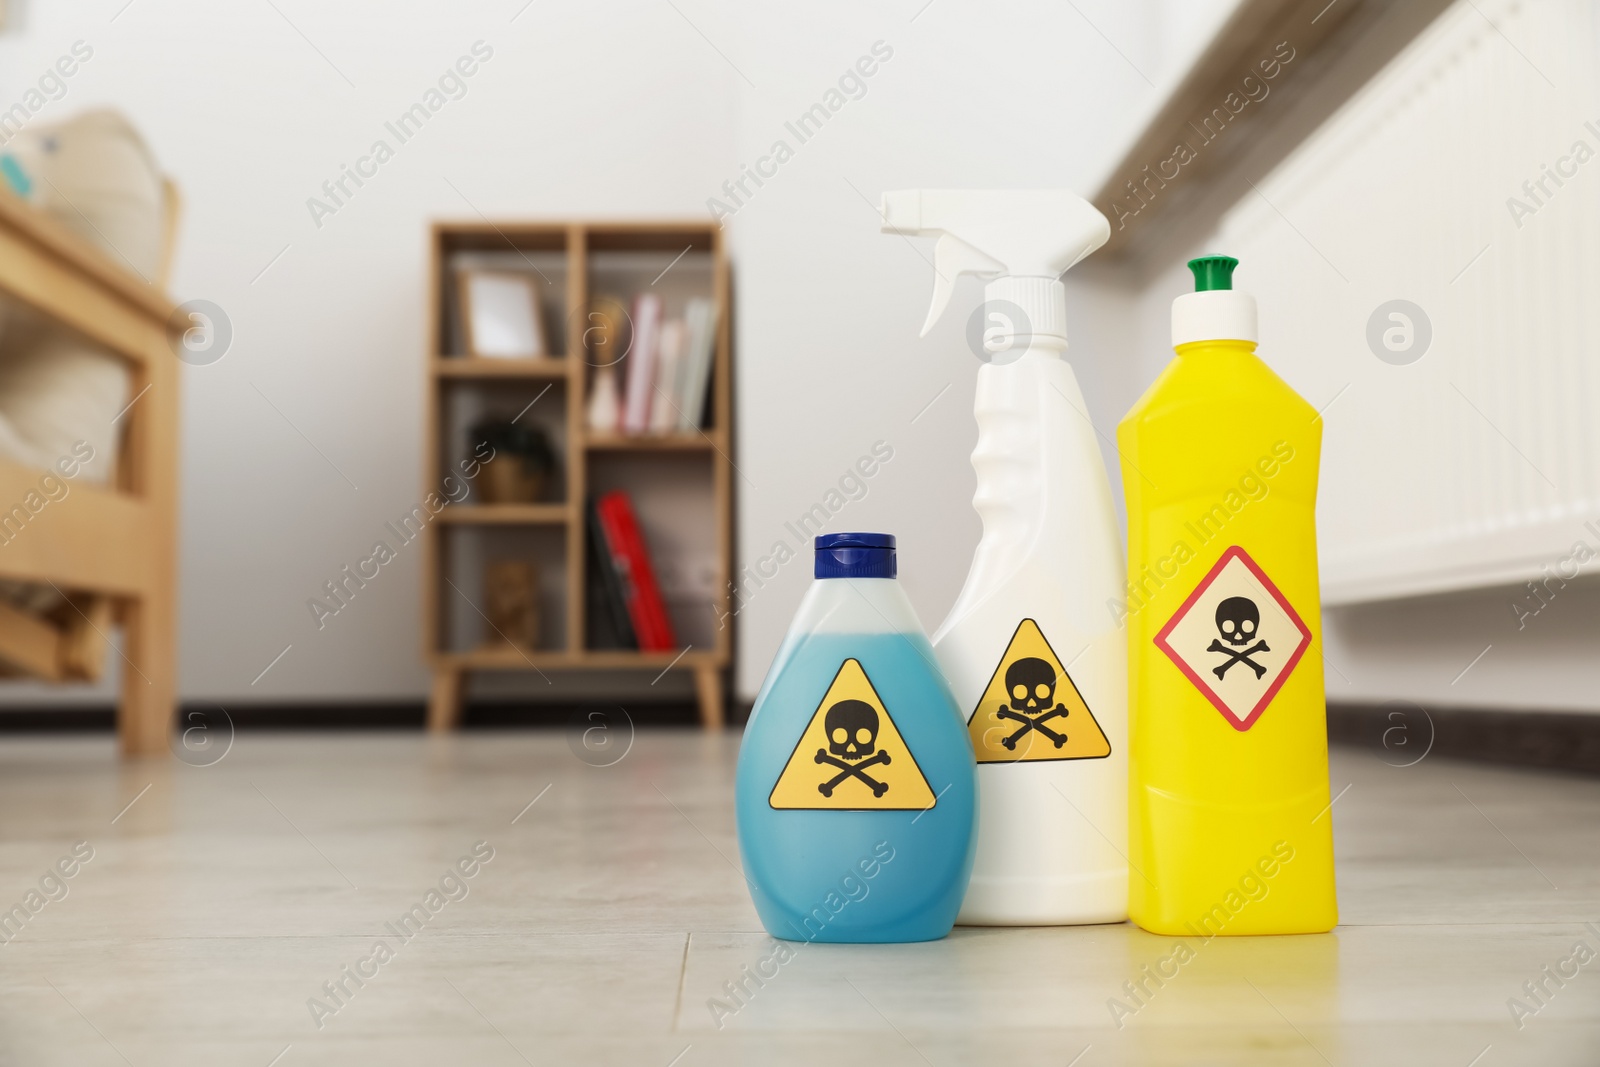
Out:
{"x": 1021, "y": 233}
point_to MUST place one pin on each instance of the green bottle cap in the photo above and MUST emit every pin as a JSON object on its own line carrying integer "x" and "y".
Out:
{"x": 1213, "y": 272}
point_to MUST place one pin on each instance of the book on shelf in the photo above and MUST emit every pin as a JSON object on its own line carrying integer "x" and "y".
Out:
{"x": 669, "y": 364}
{"x": 643, "y": 354}
{"x": 700, "y": 320}
{"x": 629, "y": 558}
{"x": 609, "y": 622}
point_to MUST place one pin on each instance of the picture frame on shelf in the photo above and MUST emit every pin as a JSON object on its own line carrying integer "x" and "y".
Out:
{"x": 500, "y": 314}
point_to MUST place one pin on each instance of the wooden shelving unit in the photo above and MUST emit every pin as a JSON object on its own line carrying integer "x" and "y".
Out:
{"x": 680, "y": 477}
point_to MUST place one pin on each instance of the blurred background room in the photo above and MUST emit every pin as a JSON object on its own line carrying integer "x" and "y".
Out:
{"x": 414, "y": 419}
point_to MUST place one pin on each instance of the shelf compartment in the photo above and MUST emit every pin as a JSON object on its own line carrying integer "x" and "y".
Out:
{"x": 675, "y": 502}
{"x": 530, "y": 402}
{"x": 540, "y": 254}
{"x": 676, "y": 264}
{"x": 466, "y": 601}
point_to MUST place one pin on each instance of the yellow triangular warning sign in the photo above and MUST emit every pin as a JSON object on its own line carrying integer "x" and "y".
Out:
{"x": 1031, "y": 709}
{"x": 851, "y": 756}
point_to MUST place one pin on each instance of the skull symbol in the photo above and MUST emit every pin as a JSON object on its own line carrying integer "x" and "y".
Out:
{"x": 1031, "y": 685}
{"x": 1237, "y": 619}
{"x": 852, "y": 727}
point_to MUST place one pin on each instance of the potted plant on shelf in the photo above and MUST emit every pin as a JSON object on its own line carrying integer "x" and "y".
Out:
{"x": 522, "y": 463}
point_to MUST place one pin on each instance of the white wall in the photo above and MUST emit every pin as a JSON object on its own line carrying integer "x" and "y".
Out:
{"x": 629, "y": 108}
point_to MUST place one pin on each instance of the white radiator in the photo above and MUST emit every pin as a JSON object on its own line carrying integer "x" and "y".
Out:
{"x": 1478, "y": 463}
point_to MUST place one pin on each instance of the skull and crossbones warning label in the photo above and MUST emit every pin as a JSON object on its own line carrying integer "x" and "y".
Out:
{"x": 1236, "y": 638}
{"x": 1031, "y": 709}
{"x": 851, "y": 756}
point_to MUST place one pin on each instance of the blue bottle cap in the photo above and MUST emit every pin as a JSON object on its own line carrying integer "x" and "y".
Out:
{"x": 855, "y": 555}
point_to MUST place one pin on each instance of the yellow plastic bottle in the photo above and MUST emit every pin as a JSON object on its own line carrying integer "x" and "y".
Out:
{"x": 1230, "y": 825}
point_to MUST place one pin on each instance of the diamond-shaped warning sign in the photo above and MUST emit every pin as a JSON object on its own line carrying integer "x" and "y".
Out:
{"x": 1236, "y": 638}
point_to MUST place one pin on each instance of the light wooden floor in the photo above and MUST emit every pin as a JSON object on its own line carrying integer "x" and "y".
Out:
{"x": 612, "y": 912}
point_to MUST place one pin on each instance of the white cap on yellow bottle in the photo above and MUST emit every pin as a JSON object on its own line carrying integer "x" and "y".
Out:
{"x": 1214, "y": 311}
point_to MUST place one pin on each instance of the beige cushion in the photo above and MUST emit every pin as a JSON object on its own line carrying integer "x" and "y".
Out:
{"x": 55, "y": 391}
{"x": 93, "y": 174}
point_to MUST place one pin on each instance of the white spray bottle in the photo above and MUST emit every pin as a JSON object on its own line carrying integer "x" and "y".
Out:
{"x": 1032, "y": 650}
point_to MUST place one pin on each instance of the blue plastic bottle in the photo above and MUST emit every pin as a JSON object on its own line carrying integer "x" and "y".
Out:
{"x": 856, "y": 790}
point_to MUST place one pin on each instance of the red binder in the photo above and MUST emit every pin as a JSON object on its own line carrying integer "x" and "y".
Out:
{"x": 631, "y": 559}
